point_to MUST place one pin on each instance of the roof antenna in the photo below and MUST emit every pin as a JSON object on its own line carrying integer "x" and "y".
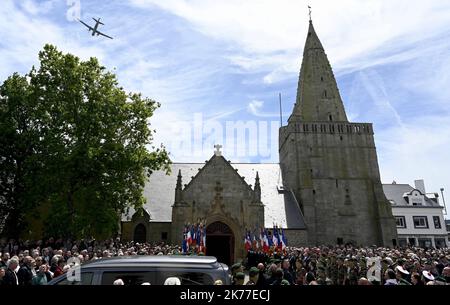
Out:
{"x": 309, "y": 7}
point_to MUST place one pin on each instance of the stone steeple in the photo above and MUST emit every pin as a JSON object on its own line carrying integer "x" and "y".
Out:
{"x": 257, "y": 189}
{"x": 318, "y": 98}
{"x": 178, "y": 189}
{"x": 331, "y": 164}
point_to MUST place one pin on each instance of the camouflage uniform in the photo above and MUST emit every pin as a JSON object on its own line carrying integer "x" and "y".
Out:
{"x": 333, "y": 271}
{"x": 341, "y": 273}
{"x": 352, "y": 273}
{"x": 322, "y": 271}
{"x": 362, "y": 268}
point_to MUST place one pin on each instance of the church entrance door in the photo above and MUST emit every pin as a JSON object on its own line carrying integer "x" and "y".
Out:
{"x": 220, "y": 242}
{"x": 140, "y": 233}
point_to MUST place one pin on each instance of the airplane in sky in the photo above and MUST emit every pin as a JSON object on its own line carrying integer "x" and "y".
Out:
{"x": 94, "y": 29}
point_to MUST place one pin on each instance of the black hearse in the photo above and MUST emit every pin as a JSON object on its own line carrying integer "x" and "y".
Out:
{"x": 153, "y": 270}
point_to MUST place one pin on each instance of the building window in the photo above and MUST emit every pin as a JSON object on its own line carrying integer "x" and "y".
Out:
{"x": 437, "y": 222}
{"x": 440, "y": 243}
{"x": 420, "y": 222}
{"x": 400, "y": 220}
{"x": 425, "y": 243}
{"x": 340, "y": 240}
{"x": 164, "y": 235}
{"x": 416, "y": 201}
{"x": 402, "y": 242}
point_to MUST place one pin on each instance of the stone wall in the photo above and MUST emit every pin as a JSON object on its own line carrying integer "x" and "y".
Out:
{"x": 155, "y": 231}
{"x": 296, "y": 238}
{"x": 335, "y": 177}
{"x": 218, "y": 193}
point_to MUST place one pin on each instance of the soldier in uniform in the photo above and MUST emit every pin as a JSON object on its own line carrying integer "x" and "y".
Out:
{"x": 239, "y": 278}
{"x": 236, "y": 268}
{"x": 254, "y": 275}
{"x": 352, "y": 272}
{"x": 322, "y": 269}
{"x": 333, "y": 269}
{"x": 362, "y": 268}
{"x": 341, "y": 270}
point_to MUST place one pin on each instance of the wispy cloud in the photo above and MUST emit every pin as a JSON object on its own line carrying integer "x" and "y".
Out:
{"x": 228, "y": 60}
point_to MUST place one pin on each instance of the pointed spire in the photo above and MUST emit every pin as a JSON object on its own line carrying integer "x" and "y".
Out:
{"x": 179, "y": 180}
{"x": 318, "y": 97}
{"x": 257, "y": 189}
{"x": 178, "y": 189}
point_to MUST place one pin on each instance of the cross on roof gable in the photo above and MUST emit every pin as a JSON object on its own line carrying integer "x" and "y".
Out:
{"x": 226, "y": 164}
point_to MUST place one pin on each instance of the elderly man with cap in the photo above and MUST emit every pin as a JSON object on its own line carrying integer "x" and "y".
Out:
{"x": 401, "y": 274}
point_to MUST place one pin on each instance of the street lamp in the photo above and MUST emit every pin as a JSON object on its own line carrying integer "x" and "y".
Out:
{"x": 443, "y": 200}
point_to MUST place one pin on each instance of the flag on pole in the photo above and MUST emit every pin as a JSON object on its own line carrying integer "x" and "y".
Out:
{"x": 269, "y": 240}
{"x": 255, "y": 243}
{"x": 184, "y": 245}
{"x": 199, "y": 234}
{"x": 261, "y": 238}
{"x": 204, "y": 240}
{"x": 265, "y": 241}
{"x": 283, "y": 240}
{"x": 189, "y": 236}
{"x": 248, "y": 241}
{"x": 275, "y": 239}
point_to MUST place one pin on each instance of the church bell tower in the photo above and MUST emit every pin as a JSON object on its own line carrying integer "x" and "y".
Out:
{"x": 330, "y": 163}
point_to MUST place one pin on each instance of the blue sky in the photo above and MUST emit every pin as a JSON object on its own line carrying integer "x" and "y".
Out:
{"x": 226, "y": 61}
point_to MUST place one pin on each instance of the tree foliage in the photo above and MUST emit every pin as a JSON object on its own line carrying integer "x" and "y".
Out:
{"x": 77, "y": 142}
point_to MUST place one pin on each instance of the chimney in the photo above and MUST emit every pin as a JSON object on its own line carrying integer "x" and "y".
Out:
{"x": 420, "y": 185}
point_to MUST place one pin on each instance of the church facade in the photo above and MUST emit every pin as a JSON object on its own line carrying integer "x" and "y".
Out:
{"x": 325, "y": 190}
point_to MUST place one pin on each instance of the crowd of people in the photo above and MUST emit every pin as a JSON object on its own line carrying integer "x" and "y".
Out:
{"x": 346, "y": 265}
{"x": 36, "y": 263}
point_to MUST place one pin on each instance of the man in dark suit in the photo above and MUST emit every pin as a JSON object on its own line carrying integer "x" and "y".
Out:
{"x": 10, "y": 277}
{"x": 25, "y": 274}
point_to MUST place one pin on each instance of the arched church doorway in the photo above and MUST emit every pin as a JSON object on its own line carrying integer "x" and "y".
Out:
{"x": 140, "y": 233}
{"x": 220, "y": 242}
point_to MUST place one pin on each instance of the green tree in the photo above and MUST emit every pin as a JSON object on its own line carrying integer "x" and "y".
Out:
{"x": 94, "y": 145}
{"x": 19, "y": 140}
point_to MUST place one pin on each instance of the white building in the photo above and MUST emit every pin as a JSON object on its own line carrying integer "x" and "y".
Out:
{"x": 419, "y": 216}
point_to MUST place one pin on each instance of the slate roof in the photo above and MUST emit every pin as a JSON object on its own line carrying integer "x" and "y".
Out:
{"x": 280, "y": 206}
{"x": 395, "y": 193}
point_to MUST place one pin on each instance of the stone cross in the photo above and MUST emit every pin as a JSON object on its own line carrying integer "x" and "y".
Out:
{"x": 217, "y": 152}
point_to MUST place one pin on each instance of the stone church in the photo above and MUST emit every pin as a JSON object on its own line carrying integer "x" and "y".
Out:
{"x": 325, "y": 190}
